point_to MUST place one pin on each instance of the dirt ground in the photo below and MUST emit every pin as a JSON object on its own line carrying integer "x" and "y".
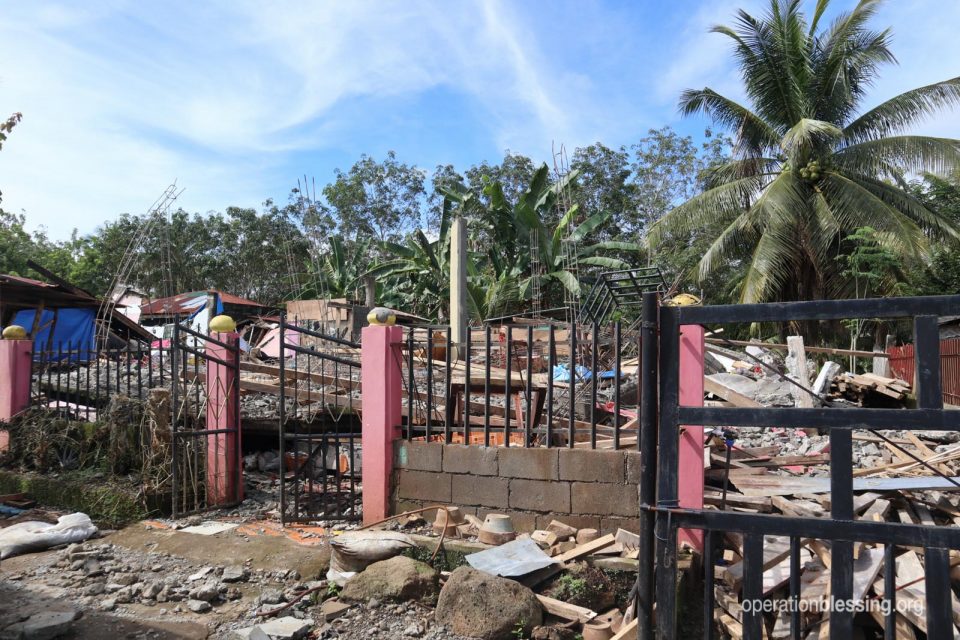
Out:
{"x": 37, "y": 582}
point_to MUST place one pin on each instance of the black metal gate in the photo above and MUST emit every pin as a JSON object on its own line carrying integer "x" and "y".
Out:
{"x": 320, "y": 439}
{"x": 661, "y": 518}
{"x": 207, "y": 469}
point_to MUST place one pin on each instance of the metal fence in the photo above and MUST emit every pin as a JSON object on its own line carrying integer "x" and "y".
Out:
{"x": 657, "y": 579}
{"x": 902, "y": 366}
{"x": 79, "y": 380}
{"x": 524, "y": 385}
{"x": 320, "y": 439}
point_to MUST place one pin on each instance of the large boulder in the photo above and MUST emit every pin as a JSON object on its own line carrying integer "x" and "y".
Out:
{"x": 479, "y": 605}
{"x": 397, "y": 579}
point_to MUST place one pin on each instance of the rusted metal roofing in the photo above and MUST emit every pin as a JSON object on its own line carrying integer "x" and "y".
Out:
{"x": 187, "y": 303}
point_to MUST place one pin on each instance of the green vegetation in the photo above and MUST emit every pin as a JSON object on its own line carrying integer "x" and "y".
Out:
{"x": 808, "y": 169}
{"x": 772, "y": 207}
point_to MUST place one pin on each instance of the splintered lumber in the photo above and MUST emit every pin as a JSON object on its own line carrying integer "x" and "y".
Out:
{"x": 626, "y": 631}
{"x": 775, "y": 549}
{"x": 587, "y": 548}
{"x": 779, "y": 574}
{"x": 735, "y": 398}
{"x": 796, "y": 362}
{"x": 877, "y": 511}
{"x": 783, "y": 486}
{"x": 566, "y": 610}
{"x": 782, "y": 347}
{"x": 301, "y": 374}
{"x": 735, "y": 500}
{"x": 798, "y": 508}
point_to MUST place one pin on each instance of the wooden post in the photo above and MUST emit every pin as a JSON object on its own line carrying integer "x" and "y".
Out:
{"x": 381, "y": 407}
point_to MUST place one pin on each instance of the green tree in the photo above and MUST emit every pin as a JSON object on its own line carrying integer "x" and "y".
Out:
{"x": 378, "y": 199}
{"x": 807, "y": 169}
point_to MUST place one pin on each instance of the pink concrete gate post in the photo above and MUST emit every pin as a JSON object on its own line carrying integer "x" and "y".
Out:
{"x": 223, "y": 449}
{"x": 380, "y": 409}
{"x": 691, "y": 440}
{"x": 14, "y": 380}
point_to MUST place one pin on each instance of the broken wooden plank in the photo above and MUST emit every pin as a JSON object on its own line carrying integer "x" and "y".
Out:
{"x": 587, "y": 548}
{"x": 566, "y": 610}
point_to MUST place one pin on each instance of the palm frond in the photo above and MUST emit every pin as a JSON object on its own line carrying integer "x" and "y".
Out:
{"x": 903, "y": 111}
{"x": 911, "y": 154}
{"x": 754, "y": 136}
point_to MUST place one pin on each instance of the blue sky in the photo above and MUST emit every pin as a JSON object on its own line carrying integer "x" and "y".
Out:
{"x": 235, "y": 100}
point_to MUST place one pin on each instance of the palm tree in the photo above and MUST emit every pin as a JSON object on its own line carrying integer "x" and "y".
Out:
{"x": 807, "y": 170}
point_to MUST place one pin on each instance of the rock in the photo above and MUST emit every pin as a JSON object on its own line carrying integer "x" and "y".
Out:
{"x": 413, "y": 631}
{"x": 250, "y": 633}
{"x": 124, "y": 579}
{"x": 44, "y": 625}
{"x": 553, "y": 633}
{"x": 398, "y": 579}
{"x": 287, "y": 628}
{"x": 92, "y": 568}
{"x": 271, "y": 596}
{"x": 563, "y": 531}
{"x": 587, "y": 535}
{"x": 199, "y": 575}
{"x": 198, "y": 606}
{"x": 234, "y": 573}
{"x": 206, "y": 592}
{"x": 108, "y": 605}
{"x": 476, "y": 604}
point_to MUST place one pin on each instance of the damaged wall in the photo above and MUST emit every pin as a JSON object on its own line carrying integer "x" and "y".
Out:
{"x": 582, "y": 487}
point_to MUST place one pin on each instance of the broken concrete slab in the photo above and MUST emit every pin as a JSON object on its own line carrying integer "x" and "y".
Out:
{"x": 288, "y": 628}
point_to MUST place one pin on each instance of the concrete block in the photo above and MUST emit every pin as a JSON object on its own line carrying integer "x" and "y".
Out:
{"x": 418, "y": 456}
{"x": 588, "y": 465}
{"x": 535, "y": 464}
{"x": 633, "y": 467}
{"x": 479, "y": 461}
{"x": 538, "y": 495}
{"x": 425, "y": 486}
{"x": 575, "y": 521}
{"x": 610, "y": 525}
{"x": 484, "y": 491}
{"x": 605, "y": 499}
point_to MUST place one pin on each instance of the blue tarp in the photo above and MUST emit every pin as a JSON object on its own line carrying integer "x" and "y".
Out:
{"x": 74, "y": 332}
{"x": 561, "y": 373}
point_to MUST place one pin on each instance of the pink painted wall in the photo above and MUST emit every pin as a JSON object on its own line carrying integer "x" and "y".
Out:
{"x": 691, "y": 440}
{"x": 223, "y": 449}
{"x": 380, "y": 416}
{"x": 14, "y": 382}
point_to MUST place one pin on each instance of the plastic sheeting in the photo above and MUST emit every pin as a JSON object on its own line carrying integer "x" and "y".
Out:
{"x": 25, "y": 537}
{"x": 73, "y": 330}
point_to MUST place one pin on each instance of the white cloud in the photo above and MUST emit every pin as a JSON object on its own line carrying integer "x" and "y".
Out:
{"x": 121, "y": 99}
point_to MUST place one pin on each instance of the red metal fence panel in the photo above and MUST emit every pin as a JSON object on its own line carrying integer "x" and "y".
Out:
{"x": 901, "y": 366}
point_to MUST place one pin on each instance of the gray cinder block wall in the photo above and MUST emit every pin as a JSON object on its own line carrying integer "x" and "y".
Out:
{"x": 582, "y": 487}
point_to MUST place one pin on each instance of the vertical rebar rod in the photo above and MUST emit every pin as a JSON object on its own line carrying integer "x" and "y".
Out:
{"x": 617, "y": 345}
{"x": 281, "y": 414}
{"x": 508, "y": 388}
{"x": 466, "y": 387}
{"x": 448, "y": 405}
{"x": 593, "y": 386}
{"x": 429, "y": 359}
{"x": 572, "y": 390}
{"x": 486, "y": 388}
{"x": 411, "y": 384}
{"x": 528, "y": 395}
{"x": 551, "y": 358}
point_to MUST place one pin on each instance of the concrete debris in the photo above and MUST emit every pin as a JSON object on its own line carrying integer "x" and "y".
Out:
{"x": 393, "y": 580}
{"x": 477, "y": 604}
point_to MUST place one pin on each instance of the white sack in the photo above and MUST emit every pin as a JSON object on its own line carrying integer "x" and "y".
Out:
{"x": 25, "y": 537}
{"x": 355, "y": 551}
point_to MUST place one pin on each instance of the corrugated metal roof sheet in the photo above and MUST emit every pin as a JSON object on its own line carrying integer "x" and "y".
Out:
{"x": 184, "y": 303}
